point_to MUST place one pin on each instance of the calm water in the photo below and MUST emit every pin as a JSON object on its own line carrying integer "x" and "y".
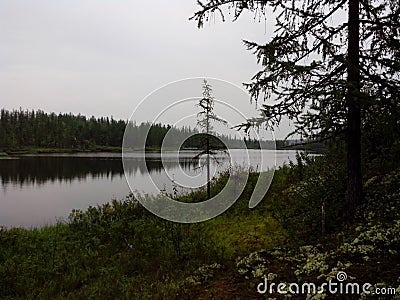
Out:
{"x": 41, "y": 189}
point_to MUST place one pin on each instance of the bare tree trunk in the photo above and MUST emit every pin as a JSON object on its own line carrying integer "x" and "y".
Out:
{"x": 354, "y": 176}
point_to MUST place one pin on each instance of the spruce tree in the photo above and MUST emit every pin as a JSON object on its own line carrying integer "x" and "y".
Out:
{"x": 330, "y": 66}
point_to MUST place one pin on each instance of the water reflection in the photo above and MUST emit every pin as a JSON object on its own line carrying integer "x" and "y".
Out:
{"x": 38, "y": 170}
{"x": 40, "y": 189}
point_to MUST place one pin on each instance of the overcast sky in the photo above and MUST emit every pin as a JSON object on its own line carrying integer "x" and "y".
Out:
{"x": 98, "y": 57}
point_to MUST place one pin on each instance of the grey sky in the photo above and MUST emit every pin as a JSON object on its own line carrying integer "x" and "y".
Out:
{"x": 98, "y": 57}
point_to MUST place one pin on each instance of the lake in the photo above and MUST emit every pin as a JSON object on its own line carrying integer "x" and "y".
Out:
{"x": 41, "y": 189}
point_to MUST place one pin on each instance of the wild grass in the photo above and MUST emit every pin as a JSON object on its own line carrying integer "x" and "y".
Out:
{"x": 120, "y": 250}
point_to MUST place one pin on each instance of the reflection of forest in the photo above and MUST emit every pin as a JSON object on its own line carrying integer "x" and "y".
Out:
{"x": 41, "y": 169}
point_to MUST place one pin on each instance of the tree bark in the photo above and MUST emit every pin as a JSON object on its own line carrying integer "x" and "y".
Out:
{"x": 354, "y": 176}
{"x": 208, "y": 168}
{"x": 208, "y": 151}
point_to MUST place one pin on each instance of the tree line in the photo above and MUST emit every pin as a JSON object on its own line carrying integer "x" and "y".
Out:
{"x": 37, "y": 129}
{"x": 23, "y": 128}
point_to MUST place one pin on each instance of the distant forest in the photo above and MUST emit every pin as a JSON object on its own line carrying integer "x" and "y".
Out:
{"x": 23, "y": 128}
{"x": 38, "y": 129}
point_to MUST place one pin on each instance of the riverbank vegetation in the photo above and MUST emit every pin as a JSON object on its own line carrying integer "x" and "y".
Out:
{"x": 120, "y": 250}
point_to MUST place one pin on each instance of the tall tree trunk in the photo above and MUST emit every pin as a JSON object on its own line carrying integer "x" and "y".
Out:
{"x": 354, "y": 176}
{"x": 208, "y": 152}
{"x": 208, "y": 168}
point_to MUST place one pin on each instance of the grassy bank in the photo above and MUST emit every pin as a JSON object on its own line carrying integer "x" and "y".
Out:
{"x": 119, "y": 250}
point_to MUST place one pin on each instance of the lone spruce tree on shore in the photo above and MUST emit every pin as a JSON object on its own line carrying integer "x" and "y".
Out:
{"x": 205, "y": 117}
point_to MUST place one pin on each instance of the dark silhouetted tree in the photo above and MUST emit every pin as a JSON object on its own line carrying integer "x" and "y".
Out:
{"x": 205, "y": 118}
{"x": 331, "y": 66}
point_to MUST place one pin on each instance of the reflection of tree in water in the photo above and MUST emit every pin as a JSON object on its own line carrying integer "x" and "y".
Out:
{"x": 39, "y": 170}
{"x": 156, "y": 165}
{"x": 42, "y": 169}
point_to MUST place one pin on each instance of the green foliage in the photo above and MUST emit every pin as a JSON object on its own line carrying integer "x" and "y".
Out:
{"x": 310, "y": 200}
{"x": 23, "y": 129}
{"x": 366, "y": 250}
{"x": 23, "y": 132}
{"x": 109, "y": 251}
{"x": 197, "y": 141}
{"x": 203, "y": 274}
{"x": 120, "y": 250}
{"x": 27, "y": 130}
{"x": 381, "y": 141}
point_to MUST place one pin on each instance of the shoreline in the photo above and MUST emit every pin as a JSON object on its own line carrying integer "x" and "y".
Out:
{"x": 24, "y": 151}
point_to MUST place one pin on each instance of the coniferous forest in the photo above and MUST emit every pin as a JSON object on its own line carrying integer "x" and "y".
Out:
{"x": 21, "y": 129}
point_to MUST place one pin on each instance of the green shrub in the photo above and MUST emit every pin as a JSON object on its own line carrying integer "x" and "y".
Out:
{"x": 312, "y": 199}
